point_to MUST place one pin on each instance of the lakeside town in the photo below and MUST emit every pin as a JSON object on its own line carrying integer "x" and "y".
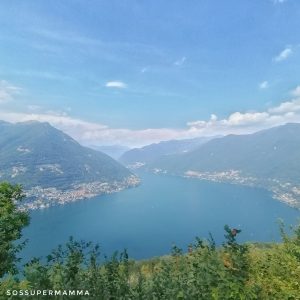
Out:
{"x": 285, "y": 192}
{"x": 41, "y": 198}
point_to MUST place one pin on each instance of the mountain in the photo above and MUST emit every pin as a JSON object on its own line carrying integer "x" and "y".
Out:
{"x": 150, "y": 153}
{"x": 269, "y": 158}
{"x": 48, "y": 162}
{"x": 272, "y": 153}
{"x": 114, "y": 151}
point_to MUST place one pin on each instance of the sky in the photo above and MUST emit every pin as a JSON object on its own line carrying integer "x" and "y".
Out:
{"x": 134, "y": 72}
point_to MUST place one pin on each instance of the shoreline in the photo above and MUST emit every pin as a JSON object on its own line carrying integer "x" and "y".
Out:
{"x": 43, "y": 198}
{"x": 284, "y": 192}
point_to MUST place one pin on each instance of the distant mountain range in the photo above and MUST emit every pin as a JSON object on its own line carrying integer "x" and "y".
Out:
{"x": 149, "y": 154}
{"x": 269, "y": 159}
{"x": 53, "y": 167}
{"x": 272, "y": 153}
{"x": 114, "y": 151}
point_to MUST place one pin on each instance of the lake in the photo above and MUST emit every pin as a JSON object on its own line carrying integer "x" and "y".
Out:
{"x": 162, "y": 211}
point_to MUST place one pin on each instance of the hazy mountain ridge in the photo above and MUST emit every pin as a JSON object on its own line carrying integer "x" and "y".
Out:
{"x": 47, "y": 161}
{"x": 150, "y": 153}
{"x": 270, "y": 153}
{"x": 114, "y": 151}
{"x": 268, "y": 158}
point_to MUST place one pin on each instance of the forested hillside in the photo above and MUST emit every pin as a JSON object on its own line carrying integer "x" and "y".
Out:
{"x": 54, "y": 168}
{"x": 37, "y": 154}
{"x": 272, "y": 153}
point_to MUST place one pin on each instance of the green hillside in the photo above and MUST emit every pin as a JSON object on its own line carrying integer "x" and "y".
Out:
{"x": 272, "y": 153}
{"x": 36, "y": 153}
{"x": 54, "y": 168}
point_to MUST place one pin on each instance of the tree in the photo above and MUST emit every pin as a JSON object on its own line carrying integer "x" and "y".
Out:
{"x": 12, "y": 221}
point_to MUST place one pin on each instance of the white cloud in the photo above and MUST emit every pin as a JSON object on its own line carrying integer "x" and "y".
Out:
{"x": 213, "y": 117}
{"x": 116, "y": 84}
{"x": 236, "y": 122}
{"x": 8, "y": 91}
{"x": 296, "y": 91}
{"x": 249, "y": 122}
{"x": 284, "y": 54}
{"x": 180, "y": 61}
{"x": 246, "y": 119}
{"x": 292, "y": 105}
{"x": 286, "y": 107}
{"x": 264, "y": 85}
{"x": 92, "y": 133}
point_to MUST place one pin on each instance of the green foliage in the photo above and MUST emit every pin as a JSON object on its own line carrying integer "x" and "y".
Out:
{"x": 233, "y": 271}
{"x": 12, "y": 222}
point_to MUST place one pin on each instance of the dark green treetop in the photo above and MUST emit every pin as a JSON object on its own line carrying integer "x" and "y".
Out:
{"x": 12, "y": 221}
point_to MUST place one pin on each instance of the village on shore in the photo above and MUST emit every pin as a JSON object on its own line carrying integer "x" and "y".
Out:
{"x": 285, "y": 192}
{"x": 41, "y": 198}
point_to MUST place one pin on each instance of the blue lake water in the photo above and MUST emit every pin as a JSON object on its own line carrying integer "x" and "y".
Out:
{"x": 163, "y": 210}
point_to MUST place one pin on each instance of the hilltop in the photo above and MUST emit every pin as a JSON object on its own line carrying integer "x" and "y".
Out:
{"x": 53, "y": 167}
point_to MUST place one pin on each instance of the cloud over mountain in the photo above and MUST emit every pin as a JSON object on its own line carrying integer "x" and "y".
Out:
{"x": 93, "y": 133}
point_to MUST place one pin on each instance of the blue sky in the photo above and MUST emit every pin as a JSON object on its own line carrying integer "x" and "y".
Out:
{"x": 134, "y": 72}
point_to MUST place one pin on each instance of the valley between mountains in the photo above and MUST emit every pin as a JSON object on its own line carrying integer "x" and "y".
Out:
{"x": 268, "y": 159}
{"x": 54, "y": 169}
